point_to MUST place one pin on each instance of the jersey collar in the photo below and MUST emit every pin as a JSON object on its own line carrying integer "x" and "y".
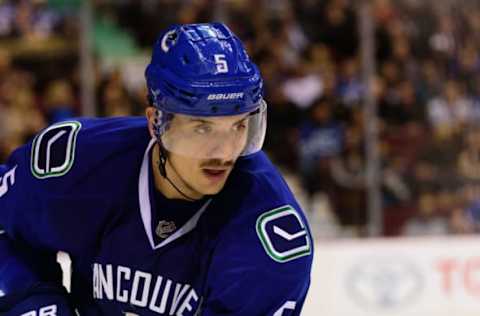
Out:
{"x": 146, "y": 210}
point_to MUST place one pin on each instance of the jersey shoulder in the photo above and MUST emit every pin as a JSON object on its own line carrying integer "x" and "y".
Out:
{"x": 70, "y": 149}
{"x": 72, "y": 159}
{"x": 79, "y": 146}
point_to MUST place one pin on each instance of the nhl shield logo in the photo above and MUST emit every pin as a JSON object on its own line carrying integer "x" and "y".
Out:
{"x": 164, "y": 229}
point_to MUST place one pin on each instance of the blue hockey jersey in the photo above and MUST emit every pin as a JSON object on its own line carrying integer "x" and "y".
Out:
{"x": 85, "y": 187}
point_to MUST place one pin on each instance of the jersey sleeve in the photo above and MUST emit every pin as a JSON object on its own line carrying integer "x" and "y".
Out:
{"x": 25, "y": 274}
{"x": 27, "y": 269}
{"x": 261, "y": 267}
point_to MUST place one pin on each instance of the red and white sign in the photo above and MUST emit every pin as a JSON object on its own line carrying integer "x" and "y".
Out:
{"x": 396, "y": 277}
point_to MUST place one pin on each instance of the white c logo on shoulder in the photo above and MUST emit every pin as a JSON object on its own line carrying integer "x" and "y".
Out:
{"x": 165, "y": 38}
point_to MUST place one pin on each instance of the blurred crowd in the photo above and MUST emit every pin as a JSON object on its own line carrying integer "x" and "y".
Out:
{"x": 427, "y": 88}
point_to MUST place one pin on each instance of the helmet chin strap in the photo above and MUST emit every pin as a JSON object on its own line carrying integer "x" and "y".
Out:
{"x": 162, "y": 153}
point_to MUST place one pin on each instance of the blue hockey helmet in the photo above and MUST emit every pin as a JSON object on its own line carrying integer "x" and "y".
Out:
{"x": 203, "y": 70}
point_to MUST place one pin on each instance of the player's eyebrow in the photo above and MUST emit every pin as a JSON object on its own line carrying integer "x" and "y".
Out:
{"x": 243, "y": 118}
{"x": 203, "y": 121}
{"x": 198, "y": 120}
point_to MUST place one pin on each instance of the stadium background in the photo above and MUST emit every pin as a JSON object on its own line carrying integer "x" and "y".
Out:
{"x": 374, "y": 112}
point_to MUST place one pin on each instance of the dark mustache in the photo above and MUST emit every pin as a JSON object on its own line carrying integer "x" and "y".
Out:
{"x": 215, "y": 163}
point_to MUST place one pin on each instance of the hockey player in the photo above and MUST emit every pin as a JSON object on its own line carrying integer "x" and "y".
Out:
{"x": 177, "y": 214}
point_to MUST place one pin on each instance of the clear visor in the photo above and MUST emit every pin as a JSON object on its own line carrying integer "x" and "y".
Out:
{"x": 217, "y": 137}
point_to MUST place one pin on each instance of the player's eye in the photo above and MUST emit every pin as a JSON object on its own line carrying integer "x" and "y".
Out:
{"x": 240, "y": 126}
{"x": 203, "y": 129}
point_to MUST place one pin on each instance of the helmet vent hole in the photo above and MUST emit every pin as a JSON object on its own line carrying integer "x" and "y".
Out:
{"x": 172, "y": 36}
{"x": 185, "y": 60}
{"x": 214, "y": 109}
{"x": 237, "y": 108}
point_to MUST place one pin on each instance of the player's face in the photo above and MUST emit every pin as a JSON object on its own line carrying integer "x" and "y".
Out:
{"x": 204, "y": 155}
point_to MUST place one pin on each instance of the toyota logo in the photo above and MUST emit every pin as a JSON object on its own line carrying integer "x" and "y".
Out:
{"x": 384, "y": 283}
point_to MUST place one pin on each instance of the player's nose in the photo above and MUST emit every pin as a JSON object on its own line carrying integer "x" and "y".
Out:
{"x": 223, "y": 150}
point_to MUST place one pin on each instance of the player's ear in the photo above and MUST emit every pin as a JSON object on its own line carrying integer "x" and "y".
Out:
{"x": 151, "y": 114}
